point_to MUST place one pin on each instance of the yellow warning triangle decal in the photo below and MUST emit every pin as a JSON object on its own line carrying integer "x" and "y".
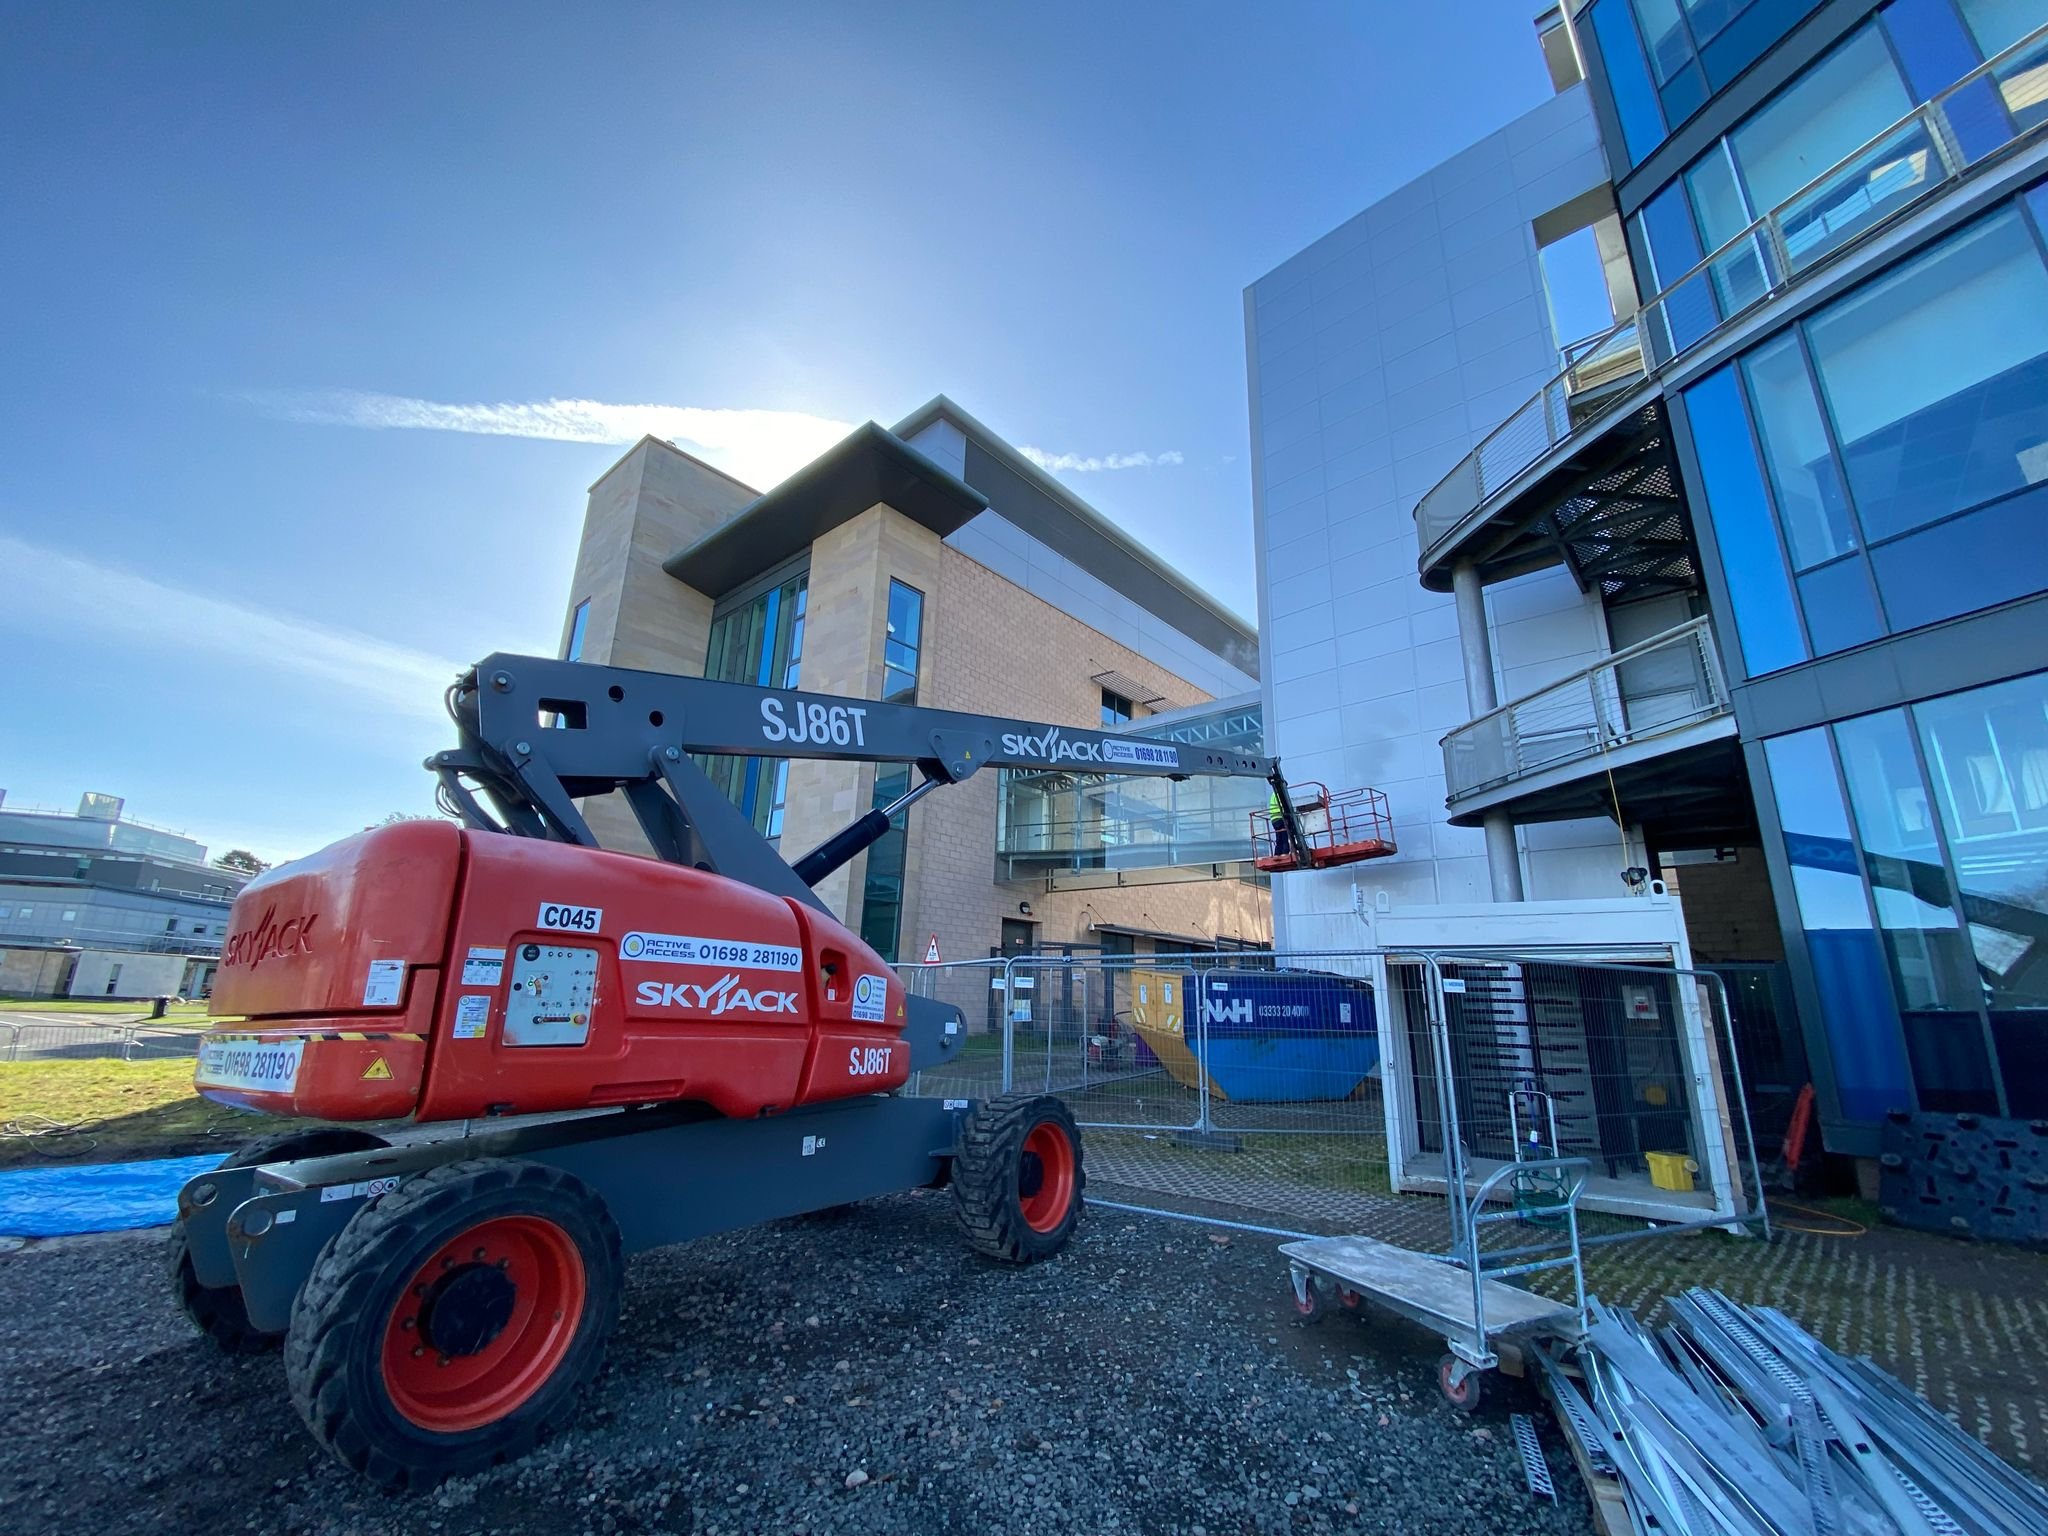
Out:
{"x": 377, "y": 1072}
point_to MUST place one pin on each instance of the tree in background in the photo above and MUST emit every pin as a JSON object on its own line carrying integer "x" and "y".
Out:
{"x": 242, "y": 861}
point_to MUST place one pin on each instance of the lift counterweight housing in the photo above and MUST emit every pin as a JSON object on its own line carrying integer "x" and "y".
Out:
{"x": 443, "y": 1300}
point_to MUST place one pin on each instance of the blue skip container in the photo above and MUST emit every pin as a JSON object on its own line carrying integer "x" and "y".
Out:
{"x": 1285, "y": 1036}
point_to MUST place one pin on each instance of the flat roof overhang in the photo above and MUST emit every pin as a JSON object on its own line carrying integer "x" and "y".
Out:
{"x": 1684, "y": 788}
{"x": 870, "y": 465}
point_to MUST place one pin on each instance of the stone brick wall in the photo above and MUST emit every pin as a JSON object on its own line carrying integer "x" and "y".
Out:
{"x": 846, "y": 620}
{"x": 653, "y": 502}
{"x": 988, "y": 646}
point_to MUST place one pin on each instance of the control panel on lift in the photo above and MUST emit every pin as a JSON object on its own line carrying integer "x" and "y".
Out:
{"x": 553, "y": 989}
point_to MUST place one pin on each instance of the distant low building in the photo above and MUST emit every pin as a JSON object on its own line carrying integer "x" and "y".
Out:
{"x": 95, "y": 904}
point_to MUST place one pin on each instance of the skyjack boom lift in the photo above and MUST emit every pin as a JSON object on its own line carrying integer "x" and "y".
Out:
{"x": 442, "y": 1301}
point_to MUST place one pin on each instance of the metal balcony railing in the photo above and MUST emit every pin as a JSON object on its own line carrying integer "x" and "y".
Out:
{"x": 1995, "y": 107}
{"x": 1667, "y": 682}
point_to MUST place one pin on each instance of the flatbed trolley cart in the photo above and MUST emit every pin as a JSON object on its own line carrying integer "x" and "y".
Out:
{"x": 1457, "y": 1295}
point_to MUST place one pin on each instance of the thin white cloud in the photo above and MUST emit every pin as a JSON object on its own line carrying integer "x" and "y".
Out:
{"x": 758, "y": 447}
{"x": 52, "y": 594}
{"x": 1088, "y": 464}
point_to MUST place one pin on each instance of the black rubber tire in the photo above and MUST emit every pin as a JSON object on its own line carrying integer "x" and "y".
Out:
{"x": 333, "y": 1356}
{"x": 987, "y": 1173}
{"x": 217, "y": 1311}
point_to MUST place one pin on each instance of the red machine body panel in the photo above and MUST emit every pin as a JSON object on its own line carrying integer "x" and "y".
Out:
{"x": 539, "y": 976}
{"x": 311, "y": 936}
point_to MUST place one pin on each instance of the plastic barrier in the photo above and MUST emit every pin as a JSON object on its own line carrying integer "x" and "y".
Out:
{"x": 95, "y": 1197}
{"x": 1977, "y": 1175}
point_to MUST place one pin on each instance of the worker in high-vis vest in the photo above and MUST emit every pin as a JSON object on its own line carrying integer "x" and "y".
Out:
{"x": 1278, "y": 817}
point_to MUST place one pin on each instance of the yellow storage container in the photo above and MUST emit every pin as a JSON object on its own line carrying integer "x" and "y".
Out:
{"x": 1672, "y": 1170}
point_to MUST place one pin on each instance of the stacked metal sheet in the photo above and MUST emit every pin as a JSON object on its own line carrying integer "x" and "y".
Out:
{"x": 1734, "y": 1419}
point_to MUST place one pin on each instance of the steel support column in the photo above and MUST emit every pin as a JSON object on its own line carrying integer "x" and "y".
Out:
{"x": 1475, "y": 647}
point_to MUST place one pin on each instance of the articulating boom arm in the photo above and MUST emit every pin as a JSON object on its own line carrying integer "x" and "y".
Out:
{"x": 537, "y": 735}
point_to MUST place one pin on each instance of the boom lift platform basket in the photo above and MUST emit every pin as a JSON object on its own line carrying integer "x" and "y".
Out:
{"x": 1327, "y": 829}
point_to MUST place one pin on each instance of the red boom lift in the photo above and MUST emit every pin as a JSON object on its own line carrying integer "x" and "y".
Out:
{"x": 441, "y": 1301}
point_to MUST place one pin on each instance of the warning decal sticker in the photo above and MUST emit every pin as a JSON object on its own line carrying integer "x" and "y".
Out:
{"x": 472, "y": 1017}
{"x": 871, "y": 999}
{"x": 482, "y": 967}
{"x": 383, "y": 983}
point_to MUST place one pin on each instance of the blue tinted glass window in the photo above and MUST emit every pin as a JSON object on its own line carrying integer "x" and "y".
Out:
{"x": 1931, "y": 44}
{"x": 1934, "y": 975}
{"x": 758, "y": 640}
{"x": 1709, "y": 17}
{"x": 1668, "y": 231}
{"x": 1683, "y": 94}
{"x": 1992, "y": 555}
{"x": 1931, "y": 964}
{"x": 1840, "y": 608}
{"x": 1828, "y": 113}
{"x": 1936, "y": 378}
{"x": 905, "y": 640}
{"x": 1687, "y": 311}
{"x": 1857, "y": 1011}
{"x": 1758, "y": 587}
{"x": 1998, "y": 24}
{"x": 1664, "y": 36}
{"x": 1812, "y": 505}
{"x": 1749, "y": 32}
{"x": 1628, "y": 79}
{"x": 578, "y": 623}
{"x": 1987, "y": 754}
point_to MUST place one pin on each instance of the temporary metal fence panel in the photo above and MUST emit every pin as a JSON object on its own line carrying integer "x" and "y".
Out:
{"x": 94, "y": 1042}
{"x": 976, "y": 988}
{"x": 67, "y": 1042}
{"x": 1637, "y": 1067}
{"x": 1339, "y": 1070}
{"x": 1234, "y": 1042}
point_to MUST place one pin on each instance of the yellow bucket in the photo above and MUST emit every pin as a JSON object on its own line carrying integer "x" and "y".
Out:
{"x": 1671, "y": 1170}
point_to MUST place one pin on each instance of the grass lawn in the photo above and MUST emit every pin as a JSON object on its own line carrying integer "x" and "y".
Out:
{"x": 131, "y": 1109}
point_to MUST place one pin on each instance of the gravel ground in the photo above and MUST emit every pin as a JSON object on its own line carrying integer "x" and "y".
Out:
{"x": 864, "y": 1375}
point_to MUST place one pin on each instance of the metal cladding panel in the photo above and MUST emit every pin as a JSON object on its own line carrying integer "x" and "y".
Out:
{"x": 341, "y": 932}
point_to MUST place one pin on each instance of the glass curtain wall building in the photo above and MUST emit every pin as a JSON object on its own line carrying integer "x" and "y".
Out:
{"x": 1052, "y": 823}
{"x": 1837, "y": 217}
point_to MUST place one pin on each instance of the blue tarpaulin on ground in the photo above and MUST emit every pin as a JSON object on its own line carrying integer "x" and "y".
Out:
{"x": 95, "y": 1197}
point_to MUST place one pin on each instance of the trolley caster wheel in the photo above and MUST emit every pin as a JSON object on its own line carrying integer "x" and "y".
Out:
{"x": 449, "y": 1326}
{"x": 1351, "y": 1300}
{"x": 217, "y": 1311}
{"x": 1309, "y": 1304}
{"x": 1463, "y": 1392}
{"x": 1017, "y": 1177}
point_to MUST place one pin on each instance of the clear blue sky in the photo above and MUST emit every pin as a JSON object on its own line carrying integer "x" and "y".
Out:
{"x": 254, "y": 254}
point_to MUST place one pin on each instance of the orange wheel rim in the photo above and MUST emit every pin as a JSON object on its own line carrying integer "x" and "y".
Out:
{"x": 483, "y": 1324}
{"x": 1045, "y": 1178}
